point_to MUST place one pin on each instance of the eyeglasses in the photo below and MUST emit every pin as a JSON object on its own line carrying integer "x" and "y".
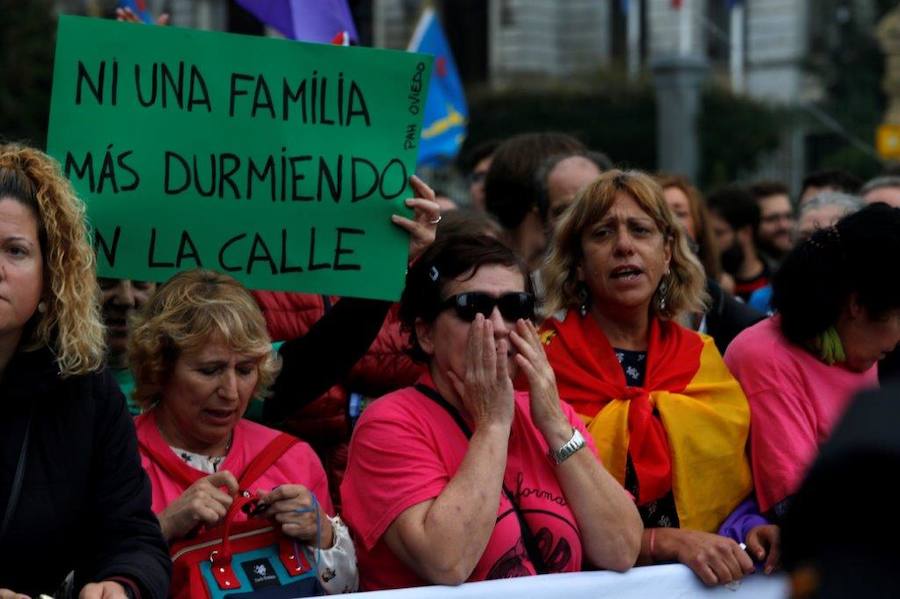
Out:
{"x": 512, "y": 306}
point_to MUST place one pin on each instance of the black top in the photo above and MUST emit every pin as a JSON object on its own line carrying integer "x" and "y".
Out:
{"x": 726, "y": 316}
{"x": 889, "y": 368}
{"x": 634, "y": 365}
{"x": 315, "y": 362}
{"x": 655, "y": 514}
{"x": 85, "y": 501}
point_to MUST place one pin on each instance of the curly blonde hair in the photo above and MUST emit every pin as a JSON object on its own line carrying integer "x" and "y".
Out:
{"x": 70, "y": 325}
{"x": 183, "y": 315}
{"x": 686, "y": 281}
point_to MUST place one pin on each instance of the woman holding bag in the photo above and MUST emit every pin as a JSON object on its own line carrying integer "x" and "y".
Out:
{"x": 200, "y": 353}
{"x": 225, "y": 488}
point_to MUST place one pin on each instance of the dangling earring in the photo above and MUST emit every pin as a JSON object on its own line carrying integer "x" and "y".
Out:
{"x": 663, "y": 292}
{"x": 584, "y": 299}
{"x": 828, "y": 343}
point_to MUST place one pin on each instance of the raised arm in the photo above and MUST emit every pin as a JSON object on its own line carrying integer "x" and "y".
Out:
{"x": 315, "y": 362}
{"x": 443, "y": 539}
{"x": 607, "y": 518}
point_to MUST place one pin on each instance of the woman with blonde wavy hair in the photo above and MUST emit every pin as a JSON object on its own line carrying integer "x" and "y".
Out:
{"x": 72, "y": 484}
{"x": 200, "y": 353}
{"x": 669, "y": 420}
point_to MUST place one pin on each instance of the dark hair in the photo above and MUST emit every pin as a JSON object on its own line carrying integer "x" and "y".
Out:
{"x": 465, "y": 221}
{"x": 469, "y": 159}
{"x": 764, "y": 189}
{"x": 852, "y": 556}
{"x": 542, "y": 174}
{"x": 734, "y": 204}
{"x": 857, "y": 255}
{"x": 510, "y": 190}
{"x": 837, "y": 179}
{"x": 447, "y": 259}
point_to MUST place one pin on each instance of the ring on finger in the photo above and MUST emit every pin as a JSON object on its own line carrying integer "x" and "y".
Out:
{"x": 435, "y": 221}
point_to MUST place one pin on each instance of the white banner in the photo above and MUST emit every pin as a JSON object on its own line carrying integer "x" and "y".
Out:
{"x": 671, "y": 581}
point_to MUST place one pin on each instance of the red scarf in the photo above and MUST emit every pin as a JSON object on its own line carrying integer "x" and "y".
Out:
{"x": 589, "y": 376}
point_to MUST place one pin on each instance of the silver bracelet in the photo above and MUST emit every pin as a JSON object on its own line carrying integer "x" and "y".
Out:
{"x": 575, "y": 442}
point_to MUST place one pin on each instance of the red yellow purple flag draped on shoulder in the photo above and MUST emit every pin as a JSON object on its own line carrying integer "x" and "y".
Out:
{"x": 694, "y": 447}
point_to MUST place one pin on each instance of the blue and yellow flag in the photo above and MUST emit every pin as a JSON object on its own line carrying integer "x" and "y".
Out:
{"x": 446, "y": 113}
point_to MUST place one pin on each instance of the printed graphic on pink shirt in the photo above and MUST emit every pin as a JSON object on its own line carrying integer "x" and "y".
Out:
{"x": 407, "y": 448}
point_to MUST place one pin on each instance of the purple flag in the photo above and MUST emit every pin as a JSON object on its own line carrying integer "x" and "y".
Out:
{"x": 304, "y": 20}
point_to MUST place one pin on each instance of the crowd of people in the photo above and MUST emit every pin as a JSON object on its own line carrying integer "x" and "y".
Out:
{"x": 589, "y": 368}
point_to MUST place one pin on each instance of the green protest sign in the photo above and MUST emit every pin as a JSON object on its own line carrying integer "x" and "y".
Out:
{"x": 275, "y": 161}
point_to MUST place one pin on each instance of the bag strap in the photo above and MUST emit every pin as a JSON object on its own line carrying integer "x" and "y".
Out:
{"x": 528, "y": 539}
{"x": 16, "y": 490}
{"x": 256, "y": 468}
{"x": 187, "y": 476}
{"x": 265, "y": 458}
{"x": 174, "y": 466}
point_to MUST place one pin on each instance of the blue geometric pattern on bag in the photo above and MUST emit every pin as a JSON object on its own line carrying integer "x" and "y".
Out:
{"x": 270, "y": 578}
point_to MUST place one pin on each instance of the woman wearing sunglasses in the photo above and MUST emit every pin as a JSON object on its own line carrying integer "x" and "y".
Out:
{"x": 670, "y": 421}
{"x": 460, "y": 478}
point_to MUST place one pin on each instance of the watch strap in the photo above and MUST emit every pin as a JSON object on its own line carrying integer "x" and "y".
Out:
{"x": 569, "y": 448}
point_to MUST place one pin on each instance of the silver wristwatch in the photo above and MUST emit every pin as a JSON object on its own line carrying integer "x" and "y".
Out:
{"x": 574, "y": 443}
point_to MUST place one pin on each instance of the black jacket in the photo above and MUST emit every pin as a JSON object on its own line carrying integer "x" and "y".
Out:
{"x": 889, "y": 368}
{"x": 85, "y": 501}
{"x": 726, "y": 316}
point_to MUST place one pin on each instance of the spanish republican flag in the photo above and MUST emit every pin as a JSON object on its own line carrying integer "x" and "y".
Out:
{"x": 686, "y": 429}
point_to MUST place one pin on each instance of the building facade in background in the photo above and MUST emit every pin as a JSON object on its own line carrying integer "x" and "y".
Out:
{"x": 766, "y": 53}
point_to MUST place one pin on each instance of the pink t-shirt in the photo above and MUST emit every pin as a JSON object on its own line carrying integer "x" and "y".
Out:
{"x": 795, "y": 402}
{"x": 298, "y": 465}
{"x": 404, "y": 451}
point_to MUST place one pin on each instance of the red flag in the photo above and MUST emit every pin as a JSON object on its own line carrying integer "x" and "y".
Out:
{"x": 676, "y": 4}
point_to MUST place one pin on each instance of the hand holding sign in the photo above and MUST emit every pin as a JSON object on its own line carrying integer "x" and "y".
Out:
{"x": 428, "y": 213}
{"x": 275, "y": 161}
{"x": 127, "y": 15}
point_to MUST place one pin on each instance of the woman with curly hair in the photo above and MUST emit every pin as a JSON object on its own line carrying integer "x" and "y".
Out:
{"x": 72, "y": 483}
{"x": 669, "y": 420}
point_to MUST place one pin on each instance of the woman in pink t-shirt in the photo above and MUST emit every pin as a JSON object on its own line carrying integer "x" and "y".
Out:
{"x": 200, "y": 352}
{"x": 460, "y": 478}
{"x": 837, "y": 297}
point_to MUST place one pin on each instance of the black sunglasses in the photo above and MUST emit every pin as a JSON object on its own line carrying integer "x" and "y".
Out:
{"x": 512, "y": 306}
